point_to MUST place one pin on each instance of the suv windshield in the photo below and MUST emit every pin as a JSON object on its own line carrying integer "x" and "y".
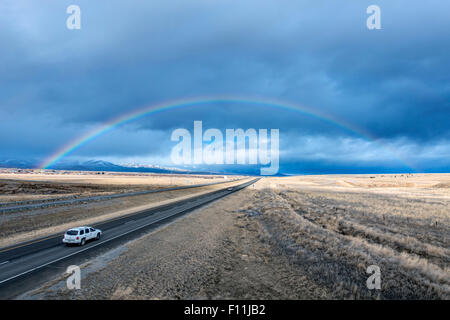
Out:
{"x": 72, "y": 232}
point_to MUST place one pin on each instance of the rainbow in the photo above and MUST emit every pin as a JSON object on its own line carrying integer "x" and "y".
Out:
{"x": 176, "y": 104}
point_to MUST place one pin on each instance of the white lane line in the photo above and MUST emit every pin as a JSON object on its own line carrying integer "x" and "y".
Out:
{"x": 90, "y": 247}
{"x": 4, "y": 262}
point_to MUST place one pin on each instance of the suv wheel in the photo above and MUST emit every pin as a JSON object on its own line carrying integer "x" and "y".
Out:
{"x": 83, "y": 241}
{"x": 98, "y": 236}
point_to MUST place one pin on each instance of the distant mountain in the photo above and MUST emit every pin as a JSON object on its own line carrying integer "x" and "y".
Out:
{"x": 21, "y": 164}
{"x": 152, "y": 166}
{"x": 90, "y": 165}
{"x": 101, "y": 165}
{"x": 95, "y": 165}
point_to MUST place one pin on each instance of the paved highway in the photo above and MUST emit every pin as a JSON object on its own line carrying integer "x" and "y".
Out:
{"x": 23, "y": 260}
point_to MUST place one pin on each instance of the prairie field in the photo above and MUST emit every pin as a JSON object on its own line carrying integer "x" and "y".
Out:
{"x": 303, "y": 237}
{"x": 337, "y": 226}
{"x": 29, "y": 184}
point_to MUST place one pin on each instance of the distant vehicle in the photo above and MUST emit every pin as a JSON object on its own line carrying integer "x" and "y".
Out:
{"x": 81, "y": 235}
{"x": 230, "y": 189}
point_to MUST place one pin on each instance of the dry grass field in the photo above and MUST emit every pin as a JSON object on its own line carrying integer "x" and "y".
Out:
{"x": 336, "y": 226}
{"x": 307, "y": 237}
{"x": 34, "y": 184}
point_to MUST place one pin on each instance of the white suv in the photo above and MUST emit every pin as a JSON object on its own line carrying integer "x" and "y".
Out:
{"x": 80, "y": 235}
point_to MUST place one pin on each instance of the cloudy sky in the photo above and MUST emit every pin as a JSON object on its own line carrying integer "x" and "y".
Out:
{"x": 392, "y": 84}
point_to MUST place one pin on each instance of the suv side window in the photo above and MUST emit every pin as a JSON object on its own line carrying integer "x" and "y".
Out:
{"x": 92, "y": 229}
{"x": 86, "y": 230}
{"x": 81, "y": 232}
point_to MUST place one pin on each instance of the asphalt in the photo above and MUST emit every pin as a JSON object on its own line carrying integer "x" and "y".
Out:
{"x": 28, "y": 264}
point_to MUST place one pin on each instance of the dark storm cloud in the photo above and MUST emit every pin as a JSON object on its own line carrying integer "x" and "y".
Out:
{"x": 55, "y": 83}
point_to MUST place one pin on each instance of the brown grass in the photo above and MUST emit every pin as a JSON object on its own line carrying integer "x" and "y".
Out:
{"x": 33, "y": 185}
{"x": 334, "y": 234}
{"x": 293, "y": 238}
